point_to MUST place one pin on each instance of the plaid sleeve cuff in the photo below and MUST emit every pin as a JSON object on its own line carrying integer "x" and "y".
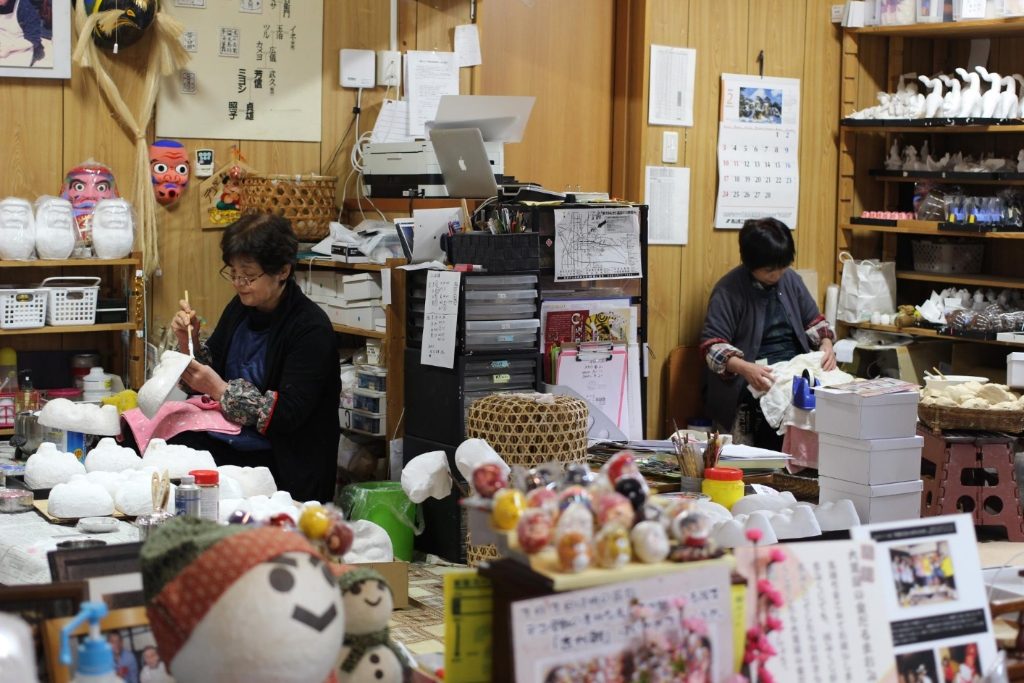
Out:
{"x": 818, "y": 331}
{"x": 717, "y": 353}
{"x": 243, "y": 404}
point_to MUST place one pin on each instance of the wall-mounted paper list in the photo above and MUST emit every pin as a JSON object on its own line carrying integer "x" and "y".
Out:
{"x": 440, "y": 319}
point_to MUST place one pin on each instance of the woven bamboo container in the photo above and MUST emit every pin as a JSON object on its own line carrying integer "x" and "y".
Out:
{"x": 527, "y": 433}
{"x": 305, "y": 200}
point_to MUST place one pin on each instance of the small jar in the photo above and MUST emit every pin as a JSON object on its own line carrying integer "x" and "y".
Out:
{"x": 208, "y": 482}
{"x": 723, "y": 484}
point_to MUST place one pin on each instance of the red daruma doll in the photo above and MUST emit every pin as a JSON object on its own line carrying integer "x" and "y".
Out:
{"x": 84, "y": 186}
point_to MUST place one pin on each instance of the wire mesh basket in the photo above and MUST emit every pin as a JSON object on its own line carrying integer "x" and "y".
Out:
{"x": 22, "y": 308}
{"x": 305, "y": 200}
{"x": 70, "y": 302}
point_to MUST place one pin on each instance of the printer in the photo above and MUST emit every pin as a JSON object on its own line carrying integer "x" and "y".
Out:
{"x": 401, "y": 169}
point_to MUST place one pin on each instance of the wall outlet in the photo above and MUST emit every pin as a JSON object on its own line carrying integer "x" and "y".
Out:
{"x": 389, "y": 68}
{"x": 670, "y": 147}
{"x": 357, "y": 68}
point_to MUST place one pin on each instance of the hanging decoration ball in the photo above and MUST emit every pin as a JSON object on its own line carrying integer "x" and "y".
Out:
{"x": 124, "y": 21}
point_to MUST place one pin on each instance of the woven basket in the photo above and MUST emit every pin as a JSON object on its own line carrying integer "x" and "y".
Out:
{"x": 802, "y": 488}
{"x": 939, "y": 418}
{"x": 527, "y": 433}
{"x": 305, "y": 200}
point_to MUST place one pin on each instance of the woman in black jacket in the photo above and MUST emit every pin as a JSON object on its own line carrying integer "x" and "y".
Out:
{"x": 271, "y": 362}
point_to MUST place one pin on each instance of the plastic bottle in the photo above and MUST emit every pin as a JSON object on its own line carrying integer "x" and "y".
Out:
{"x": 8, "y": 370}
{"x": 95, "y": 658}
{"x": 96, "y": 385}
{"x": 208, "y": 482}
{"x": 723, "y": 484}
{"x": 27, "y": 398}
{"x": 187, "y": 498}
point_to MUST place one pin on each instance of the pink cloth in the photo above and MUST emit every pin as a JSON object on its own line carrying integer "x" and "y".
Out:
{"x": 802, "y": 444}
{"x": 197, "y": 414}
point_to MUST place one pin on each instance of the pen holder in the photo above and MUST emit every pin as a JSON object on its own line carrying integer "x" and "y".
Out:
{"x": 690, "y": 484}
{"x": 503, "y": 253}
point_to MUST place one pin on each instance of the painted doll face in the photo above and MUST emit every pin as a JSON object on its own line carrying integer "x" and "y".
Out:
{"x": 84, "y": 186}
{"x": 170, "y": 170}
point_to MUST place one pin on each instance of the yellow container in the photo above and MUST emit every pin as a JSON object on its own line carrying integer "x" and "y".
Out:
{"x": 723, "y": 484}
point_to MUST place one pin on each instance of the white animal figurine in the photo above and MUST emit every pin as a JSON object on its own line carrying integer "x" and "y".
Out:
{"x": 990, "y": 100}
{"x": 894, "y": 162}
{"x": 911, "y": 161}
{"x": 1020, "y": 161}
{"x": 1020, "y": 102}
{"x": 940, "y": 165}
{"x": 951, "y": 101}
{"x": 933, "y": 102}
{"x": 1009, "y": 105}
{"x": 970, "y": 99}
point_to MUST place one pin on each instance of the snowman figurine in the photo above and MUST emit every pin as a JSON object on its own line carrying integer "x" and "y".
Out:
{"x": 241, "y": 604}
{"x": 368, "y": 655}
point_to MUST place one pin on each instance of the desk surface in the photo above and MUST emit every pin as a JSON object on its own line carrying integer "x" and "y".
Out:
{"x": 26, "y": 537}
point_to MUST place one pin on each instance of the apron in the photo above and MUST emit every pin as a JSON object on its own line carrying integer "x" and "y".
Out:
{"x": 15, "y": 50}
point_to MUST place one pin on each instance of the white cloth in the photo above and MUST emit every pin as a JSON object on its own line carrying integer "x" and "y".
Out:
{"x": 779, "y": 399}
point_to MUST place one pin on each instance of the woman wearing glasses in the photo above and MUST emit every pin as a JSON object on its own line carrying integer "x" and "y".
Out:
{"x": 271, "y": 362}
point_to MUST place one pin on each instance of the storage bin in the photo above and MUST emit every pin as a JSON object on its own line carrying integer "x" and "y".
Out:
{"x": 500, "y": 296}
{"x": 22, "y": 308}
{"x": 881, "y": 503}
{"x": 370, "y": 401}
{"x": 1015, "y": 369}
{"x": 509, "y": 365}
{"x": 361, "y": 286}
{"x": 870, "y": 461}
{"x": 503, "y": 282}
{"x": 71, "y": 300}
{"x": 371, "y": 377}
{"x": 368, "y": 423}
{"x": 889, "y": 416}
{"x": 500, "y": 340}
{"x": 935, "y": 256}
{"x": 500, "y": 381}
{"x": 475, "y": 326}
{"x": 495, "y": 312}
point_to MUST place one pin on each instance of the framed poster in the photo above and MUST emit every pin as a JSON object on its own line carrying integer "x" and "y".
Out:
{"x": 35, "y": 38}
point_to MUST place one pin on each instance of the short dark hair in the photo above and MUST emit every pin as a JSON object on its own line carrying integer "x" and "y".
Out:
{"x": 766, "y": 243}
{"x": 265, "y": 238}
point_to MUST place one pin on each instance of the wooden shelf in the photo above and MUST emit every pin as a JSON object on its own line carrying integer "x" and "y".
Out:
{"x": 69, "y": 329}
{"x": 932, "y": 130}
{"x": 977, "y": 28}
{"x": 929, "y": 228}
{"x": 72, "y": 263}
{"x": 338, "y": 265}
{"x": 928, "y": 334}
{"x": 911, "y": 178}
{"x": 359, "y": 331}
{"x": 7, "y": 431}
{"x": 960, "y": 279}
{"x": 401, "y": 204}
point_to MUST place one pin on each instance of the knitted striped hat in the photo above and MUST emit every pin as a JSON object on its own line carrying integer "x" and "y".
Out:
{"x": 188, "y": 563}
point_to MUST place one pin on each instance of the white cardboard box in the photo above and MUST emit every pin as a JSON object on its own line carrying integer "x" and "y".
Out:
{"x": 889, "y": 416}
{"x": 1015, "y": 369}
{"x": 881, "y": 503}
{"x": 870, "y": 461}
{"x": 361, "y": 286}
{"x": 363, "y": 314}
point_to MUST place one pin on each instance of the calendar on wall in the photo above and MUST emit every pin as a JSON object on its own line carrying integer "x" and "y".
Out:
{"x": 255, "y": 72}
{"x": 758, "y": 145}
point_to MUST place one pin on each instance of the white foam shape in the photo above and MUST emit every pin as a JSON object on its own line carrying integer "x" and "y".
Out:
{"x": 427, "y": 476}
{"x": 88, "y": 418}
{"x": 763, "y": 501}
{"x": 795, "y": 522}
{"x": 113, "y": 228}
{"x": 370, "y": 543}
{"x": 55, "y": 228}
{"x": 48, "y": 467}
{"x": 162, "y": 382}
{"x": 255, "y": 481}
{"x": 229, "y": 488}
{"x": 177, "y": 460}
{"x": 837, "y": 515}
{"x": 732, "y": 533}
{"x": 472, "y": 453}
{"x": 111, "y": 481}
{"x": 135, "y": 496}
{"x": 17, "y": 229}
{"x": 107, "y": 456}
{"x": 230, "y": 505}
{"x": 715, "y": 511}
{"x": 80, "y": 498}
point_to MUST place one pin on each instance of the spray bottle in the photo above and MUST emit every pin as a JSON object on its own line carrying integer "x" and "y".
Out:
{"x": 95, "y": 658}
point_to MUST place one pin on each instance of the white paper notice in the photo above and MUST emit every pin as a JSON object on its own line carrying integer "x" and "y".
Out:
{"x": 385, "y": 286}
{"x": 972, "y": 9}
{"x": 667, "y": 194}
{"x": 671, "y": 87}
{"x": 467, "y": 45}
{"x": 930, "y": 582}
{"x": 597, "y": 244}
{"x": 758, "y": 150}
{"x": 441, "y": 319}
{"x": 429, "y": 75}
{"x": 392, "y": 123}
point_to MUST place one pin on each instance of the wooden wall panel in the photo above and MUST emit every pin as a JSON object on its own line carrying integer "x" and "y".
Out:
{"x": 31, "y": 153}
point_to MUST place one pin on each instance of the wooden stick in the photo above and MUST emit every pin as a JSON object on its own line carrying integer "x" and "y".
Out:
{"x": 191, "y": 345}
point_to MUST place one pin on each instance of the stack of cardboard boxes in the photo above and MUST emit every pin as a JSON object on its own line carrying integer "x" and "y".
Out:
{"x": 350, "y": 299}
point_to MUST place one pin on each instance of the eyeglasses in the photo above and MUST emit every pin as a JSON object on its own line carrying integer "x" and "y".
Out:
{"x": 240, "y": 280}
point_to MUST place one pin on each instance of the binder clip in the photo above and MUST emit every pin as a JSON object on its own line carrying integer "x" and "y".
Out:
{"x": 803, "y": 390}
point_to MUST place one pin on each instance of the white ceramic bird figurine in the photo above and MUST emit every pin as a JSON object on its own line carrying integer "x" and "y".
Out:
{"x": 990, "y": 100}
{"x": 1009, "y": 105}
{"x": 951, "y": 101}
{"x": 933, "y": 102}
{"x": 1020, "y": 102}
{"x": 970, "y": 98}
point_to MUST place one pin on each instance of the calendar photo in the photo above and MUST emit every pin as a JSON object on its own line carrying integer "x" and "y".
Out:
{"x": 754, "y": 100}
{"x": 760, "y": 105}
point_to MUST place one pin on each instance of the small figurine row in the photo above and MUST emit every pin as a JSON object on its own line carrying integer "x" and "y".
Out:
{"x": 909, "y": 160}
{"x": 604, "y": 519}
{"x": 999, "y": 101}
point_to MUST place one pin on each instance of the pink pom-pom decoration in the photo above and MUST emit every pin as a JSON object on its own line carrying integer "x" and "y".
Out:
{"x": 777, "y": 555}
{"x": 753, "y": 535}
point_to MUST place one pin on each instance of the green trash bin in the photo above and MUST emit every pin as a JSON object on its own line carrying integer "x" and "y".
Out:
{"x": 385, "y": 504}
